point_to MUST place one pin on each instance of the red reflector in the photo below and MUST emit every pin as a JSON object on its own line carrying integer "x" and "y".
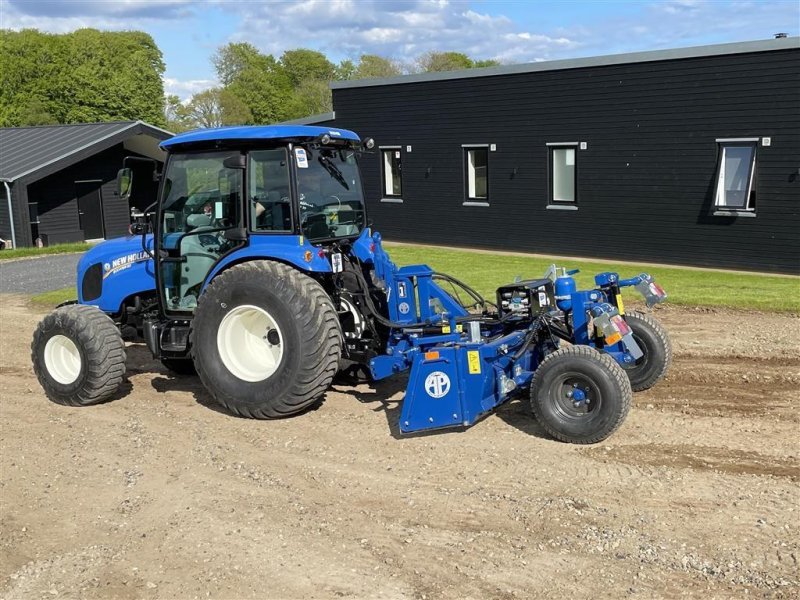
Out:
{"x": 372, "y": 247}
{"x": 431, "y": 355}
{"x": 321, "y": 253}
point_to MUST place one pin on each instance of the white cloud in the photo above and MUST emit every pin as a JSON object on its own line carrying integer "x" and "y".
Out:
{"x": 184, "y": 89}
{"x": 64, "y": 16}
{"x": 400, "y": 29}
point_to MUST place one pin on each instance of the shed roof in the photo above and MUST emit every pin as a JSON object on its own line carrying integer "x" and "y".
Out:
{"x": 787, "y": 43}
{"x": 28, "y": 151}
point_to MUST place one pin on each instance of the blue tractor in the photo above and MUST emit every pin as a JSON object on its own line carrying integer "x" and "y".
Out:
{"x": 261, "y": 273}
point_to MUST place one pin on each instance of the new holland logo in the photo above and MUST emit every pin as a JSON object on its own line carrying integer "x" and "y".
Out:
{"x": 124, "y": 262}
{"x": 437, "y": 384}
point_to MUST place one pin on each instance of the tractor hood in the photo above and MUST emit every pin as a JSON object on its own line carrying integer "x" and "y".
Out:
{"x": 115, "y": 270}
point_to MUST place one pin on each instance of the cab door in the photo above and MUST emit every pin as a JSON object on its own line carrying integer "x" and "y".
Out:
{"x": 202, "y": 200}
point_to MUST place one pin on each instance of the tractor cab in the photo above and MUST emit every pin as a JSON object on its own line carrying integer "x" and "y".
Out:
{"x": 229, "y": 188}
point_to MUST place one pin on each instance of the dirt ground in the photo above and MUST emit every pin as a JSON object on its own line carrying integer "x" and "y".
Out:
{"x": 159, "y": 495}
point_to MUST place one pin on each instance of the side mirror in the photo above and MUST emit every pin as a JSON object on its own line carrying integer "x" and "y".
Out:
{"x": 125, "y": 183}
{"x": 237, "y": 161}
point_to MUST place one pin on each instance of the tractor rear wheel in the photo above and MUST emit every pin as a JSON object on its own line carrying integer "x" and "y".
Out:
{"x": 580, "y": 395}
{"x": 78, "y": 355}
{"x": 266, "y": 340}
{"x": 654, "y": 342}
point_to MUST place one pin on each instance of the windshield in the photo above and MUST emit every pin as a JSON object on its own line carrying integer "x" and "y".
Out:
{"x": 329, "y": 186}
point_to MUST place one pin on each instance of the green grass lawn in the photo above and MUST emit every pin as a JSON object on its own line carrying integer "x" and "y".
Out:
{"x": 56, "y": 249}
{"x": 56, "y": 297}
{"x": 485, "y": 272}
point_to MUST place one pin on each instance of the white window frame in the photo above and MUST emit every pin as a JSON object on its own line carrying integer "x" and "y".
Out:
{"x": 552, "y": 202}
{"x": 385, "y": 196}
{"x": 721, "y": 208}
{"x": 470, "y": 180}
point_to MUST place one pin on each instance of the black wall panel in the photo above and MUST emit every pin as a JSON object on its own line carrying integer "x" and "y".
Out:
{"x": 645, "y": 181}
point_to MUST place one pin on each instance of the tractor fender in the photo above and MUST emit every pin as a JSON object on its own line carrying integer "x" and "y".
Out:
{"x": 114, "y": 270}
{"x": 293, "y": 250}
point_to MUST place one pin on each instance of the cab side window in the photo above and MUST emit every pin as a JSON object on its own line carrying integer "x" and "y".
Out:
{"x": 270, "y": 204}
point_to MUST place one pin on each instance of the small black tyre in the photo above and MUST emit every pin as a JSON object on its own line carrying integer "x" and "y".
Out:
{"x": 78, "y": 356}
{"x": 179, "y": 366}
{"x": 654, "y": 342}
{"x": 580, "y": 395}
{"x": 266, "y": 340}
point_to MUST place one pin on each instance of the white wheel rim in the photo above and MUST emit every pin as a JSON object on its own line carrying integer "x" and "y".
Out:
{"x": 243, "y": 344}
{"x": 62, "y": 359}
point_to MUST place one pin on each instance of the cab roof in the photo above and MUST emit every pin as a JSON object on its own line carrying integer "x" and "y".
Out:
{"x": 258, "y": 132}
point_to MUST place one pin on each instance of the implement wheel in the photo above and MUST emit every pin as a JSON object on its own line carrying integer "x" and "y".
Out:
{"x": 654, "y": 342}
{"x": 580, "y": 395}
{"x": 266, "y": 340}
{"x": 78, "y": 355}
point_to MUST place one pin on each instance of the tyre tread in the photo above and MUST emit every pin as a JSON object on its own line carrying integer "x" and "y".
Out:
{"x": 319, "y": 328}
{"x": 614, "y": 370}
{"x": 102, "y": 345}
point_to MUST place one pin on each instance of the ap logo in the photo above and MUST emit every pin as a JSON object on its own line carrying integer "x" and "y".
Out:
{"x": 437, "y": 384}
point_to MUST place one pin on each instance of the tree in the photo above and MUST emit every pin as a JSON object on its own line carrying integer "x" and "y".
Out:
{"x": 176, "y": 114}
{"x": 232, "y": 59}
{"x": 303, "y": 64}
{"x": 268, "y": 96}
{"x": 217, "y": 107}
{"x": 83, "y": 76}
{"x": 370, "y": 65}
{"x": 313, "y": 97}
{"x": 344, "y": 70}
{"x": 444, "y": 61}
{"x": 489, "y": 62}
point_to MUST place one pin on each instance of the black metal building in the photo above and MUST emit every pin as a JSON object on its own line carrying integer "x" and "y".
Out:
{"x": 58, "y": 182}
{"x": 686, "y": 156}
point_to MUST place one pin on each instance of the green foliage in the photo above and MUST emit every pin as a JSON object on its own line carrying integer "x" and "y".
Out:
{"x": 303, "y": 64}
{"x": 230, "y": 60}
{"x": 217, "y": 107}
{"x": 370, "y": 65}
{"x": 444, "y": 61}
{"x": 296, "y": 85}
{"x": 83, "y": 76}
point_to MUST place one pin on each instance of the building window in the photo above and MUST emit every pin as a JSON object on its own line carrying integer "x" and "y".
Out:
{"x": 392, "y": 169}
{"x": 736, "y": 176}
{"x": 476, "y": 161}
{"x": 563, "y": 174}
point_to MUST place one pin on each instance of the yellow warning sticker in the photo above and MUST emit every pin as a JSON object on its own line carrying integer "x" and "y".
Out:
{"x": 445, "y": 328}
{"x": 474, "y": 362}
{"x": 620, "y": 304}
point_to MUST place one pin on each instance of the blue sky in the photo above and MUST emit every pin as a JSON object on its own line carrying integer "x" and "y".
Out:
{"x": 188, "y": 31}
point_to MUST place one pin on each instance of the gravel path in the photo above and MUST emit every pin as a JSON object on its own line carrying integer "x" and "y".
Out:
{"x": 160, "y": 494}
{"x": 37, "y": 275}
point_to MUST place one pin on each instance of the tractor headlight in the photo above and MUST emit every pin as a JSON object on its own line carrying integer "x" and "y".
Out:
{"x": 369, "y": 143}
{"x": 325, "y": 139}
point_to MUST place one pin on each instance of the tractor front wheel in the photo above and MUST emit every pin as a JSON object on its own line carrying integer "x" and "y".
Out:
{"x": 266, "y": 340}
{"x": 657, "y": 349}
{"x": 580, "y": 395}
{"x": 78, "y": 355}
